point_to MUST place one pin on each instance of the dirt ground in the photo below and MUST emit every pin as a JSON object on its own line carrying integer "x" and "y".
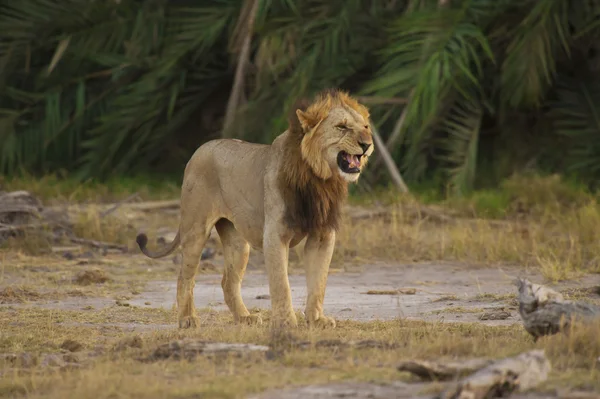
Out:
{"x": 116, "y": 308}
{"x": 381, "y": 291}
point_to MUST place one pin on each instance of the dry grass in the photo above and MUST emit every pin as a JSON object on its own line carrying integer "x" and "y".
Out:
{"x": 91, "y": 225}
{"x": 37, "y": 331}
{"x": 558, "y": 237}
{"x": 545, "y": 224}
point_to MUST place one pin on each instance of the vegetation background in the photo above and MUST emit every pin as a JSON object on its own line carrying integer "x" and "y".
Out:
{"x": 464, "y": 92}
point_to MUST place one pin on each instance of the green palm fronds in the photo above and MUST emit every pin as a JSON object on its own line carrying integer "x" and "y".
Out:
{"x": 112, "y": 87}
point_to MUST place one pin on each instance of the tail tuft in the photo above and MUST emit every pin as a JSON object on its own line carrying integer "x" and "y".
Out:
{"x": 142, "y": 240}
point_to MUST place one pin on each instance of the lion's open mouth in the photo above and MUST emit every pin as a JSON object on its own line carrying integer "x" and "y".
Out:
{"x": 349, "y": 163}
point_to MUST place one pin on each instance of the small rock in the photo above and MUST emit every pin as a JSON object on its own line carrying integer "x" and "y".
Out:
{"x": 68, "y": 256}
{"x": 263, "y": 296}
{"x": 147, "y": 303}
{"x": 122, "y": 303}
{"x": 498, "y": 315}
{"x": 88, "y": 277}
{"x": 71, "y": 345}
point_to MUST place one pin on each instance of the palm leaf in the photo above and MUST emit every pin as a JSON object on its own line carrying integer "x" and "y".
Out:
{"x": 462, "y": 125}
{"x": 538, "y": 41}
{"x": 576, "y": 115}
{"x": 433, "y": 54}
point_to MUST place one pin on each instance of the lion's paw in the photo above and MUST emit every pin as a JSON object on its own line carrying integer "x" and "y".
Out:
{"x": 322, "y": 322}
{"x": 251, "y": 319}
{"x": 189, "y": 322}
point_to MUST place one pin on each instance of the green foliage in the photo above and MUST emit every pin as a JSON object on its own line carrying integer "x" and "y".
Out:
{"x": 108, "y": 88}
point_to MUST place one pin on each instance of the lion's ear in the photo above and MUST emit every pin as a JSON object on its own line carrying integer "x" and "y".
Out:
{"x": 305, "y": 120}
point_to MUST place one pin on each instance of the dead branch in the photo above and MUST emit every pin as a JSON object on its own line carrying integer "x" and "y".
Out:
{"x": 98, "y": 244}
{"x": 110, "y": 210}
{"x": 240, "y": 71}
{"x": 389, "y": 162}
{"x": 154, "y": 205}
{"x": 545, "y": 311}
{"x": 503, "y": 377}
{"x": 8, "y": 228}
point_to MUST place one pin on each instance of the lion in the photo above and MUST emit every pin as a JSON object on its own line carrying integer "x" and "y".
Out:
{"x": 271, "y": 197}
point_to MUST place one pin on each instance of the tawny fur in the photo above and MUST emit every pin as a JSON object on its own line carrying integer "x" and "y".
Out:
{"x": 271, "y": 197}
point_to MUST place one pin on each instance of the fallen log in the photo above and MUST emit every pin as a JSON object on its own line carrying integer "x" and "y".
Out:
{"x": 18, "y": 207}
{"x": 545, "y": 311}
{"x": 502, "y": 378}
{"x": 440, "y": 370}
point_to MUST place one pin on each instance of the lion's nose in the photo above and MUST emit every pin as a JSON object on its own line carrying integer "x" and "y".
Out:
{"x": 364, "y": 146}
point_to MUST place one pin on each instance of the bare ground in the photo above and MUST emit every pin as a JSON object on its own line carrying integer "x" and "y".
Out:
{"x": 430, "y": 292}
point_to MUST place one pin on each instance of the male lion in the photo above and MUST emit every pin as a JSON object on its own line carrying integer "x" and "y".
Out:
{"x": 271, "y": 197}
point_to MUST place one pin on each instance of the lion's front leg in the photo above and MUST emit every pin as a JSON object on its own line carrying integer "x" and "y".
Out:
{"x": 276, "y": 251}
{"x": 317, "y": 257}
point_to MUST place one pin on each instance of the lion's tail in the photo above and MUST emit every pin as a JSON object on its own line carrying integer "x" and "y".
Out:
{"x": 142, "y": 241}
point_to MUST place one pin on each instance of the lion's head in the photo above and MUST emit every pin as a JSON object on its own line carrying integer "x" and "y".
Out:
{"x": 328, "y": 146}
{"x": 337, "y": 137}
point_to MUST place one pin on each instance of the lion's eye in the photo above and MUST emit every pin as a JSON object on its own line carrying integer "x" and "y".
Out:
{"x": 342, "y": 127}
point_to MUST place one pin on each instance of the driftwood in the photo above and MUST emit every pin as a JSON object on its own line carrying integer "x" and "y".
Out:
{"x": 545, "y": 311}
{"x": 18, "y": 207}
{"x": 389, "y": 162}
{"x": 247, "y": 19}
{"x": 503, "y": 377}
{"x": 432, "y": 370}
{"x": 20, "y": 211}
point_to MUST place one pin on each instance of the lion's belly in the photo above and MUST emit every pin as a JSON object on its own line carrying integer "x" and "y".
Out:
{"x": 249, "y": 229}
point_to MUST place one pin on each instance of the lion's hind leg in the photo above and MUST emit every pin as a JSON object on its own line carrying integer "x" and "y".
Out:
{"x": 193, "y": 241}
{"x": 236, "y": 251}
